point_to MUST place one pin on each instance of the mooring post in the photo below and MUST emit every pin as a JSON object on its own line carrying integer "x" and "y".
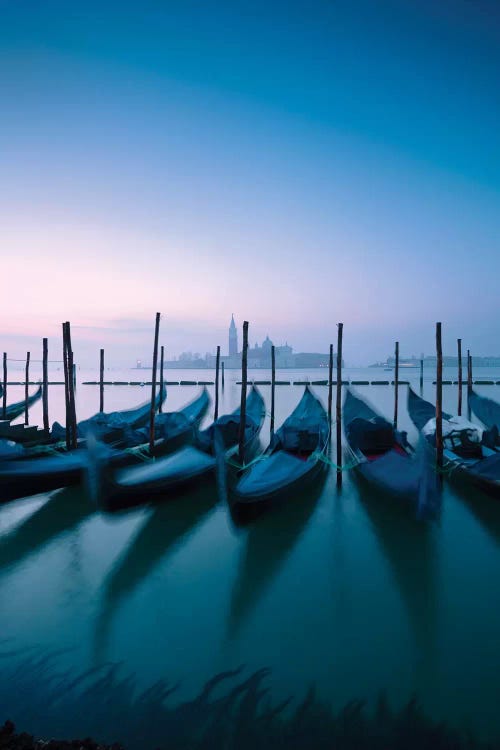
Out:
{"x": 273, "y": 387}
{"x": 338, "y": 410}
{"x": 101, "y": 381}
{"x": 162, "y": 360}
{"x": 222, "y": 377}
{"x": 459, "y": 347}
{"x": 243, "y": 403}
{"x": 469, "y": 383}
{"x": 421, "y": 376}
{"x": 330, "y": 387}
{"x": 45, "y": 379}
{"x": 66, "y": 385}
{"x": 153, "y": 387}
{"x": 439, "y": 400}
{"x": 396, "y": 385}
{"x": 4, "y": 396}
{"x": 217, "y": 365}
{"x": 71, "y": 385}
{"x": 26, "y": 384}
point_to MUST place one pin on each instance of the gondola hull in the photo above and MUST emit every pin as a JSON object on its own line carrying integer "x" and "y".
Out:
{"x": 24, "y": 476}
{"x": 284, "y": 471}
{"x": 481, "y": 471}
{"x": 167, "y": 477}
{"x": 384, "y": 459}
{"x": 15, "y": 410}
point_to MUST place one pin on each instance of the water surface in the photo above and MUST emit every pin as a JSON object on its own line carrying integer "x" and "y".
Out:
{"x": 337, "y": 589}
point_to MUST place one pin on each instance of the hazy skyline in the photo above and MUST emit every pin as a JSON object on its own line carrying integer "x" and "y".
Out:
{"x": 297, "y": 164}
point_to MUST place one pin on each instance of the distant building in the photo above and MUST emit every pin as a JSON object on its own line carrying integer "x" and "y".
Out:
{"x": 233, "y": 338}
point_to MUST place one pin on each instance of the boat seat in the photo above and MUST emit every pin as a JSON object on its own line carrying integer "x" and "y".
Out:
{"x": 371, "y": 436}
{"x": 295, "y": 440}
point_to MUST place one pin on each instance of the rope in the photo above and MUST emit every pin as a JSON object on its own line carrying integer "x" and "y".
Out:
{"x": 141, "y": 452}
{"x": 237, "y": 465}
{"x": 329, "y": 462}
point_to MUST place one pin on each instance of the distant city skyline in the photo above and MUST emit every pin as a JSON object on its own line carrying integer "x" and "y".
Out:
{"x": 337, "y": 162}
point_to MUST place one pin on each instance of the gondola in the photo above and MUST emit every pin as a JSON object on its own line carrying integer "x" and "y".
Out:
{"x": 21, "y": 476}
{"x": 292, "y": 460}
{"x": 112, "y": 427}
{"x": 488, "y": 412}
{"x": 175, "y": 428}
{"x": 115, "y": 427}
{"x": 114, "y": 490}
{"x": 383, "y": 457}
{"x": 15, "y": 410}
{"x": 469, "y": 453}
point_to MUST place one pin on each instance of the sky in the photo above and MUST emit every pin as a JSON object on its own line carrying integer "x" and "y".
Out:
{"x": 294, "y": 163}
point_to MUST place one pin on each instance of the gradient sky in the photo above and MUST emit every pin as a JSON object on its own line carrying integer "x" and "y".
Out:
{"x": 296, "y": 163}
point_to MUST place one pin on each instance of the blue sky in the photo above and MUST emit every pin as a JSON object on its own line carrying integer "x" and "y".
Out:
{"x": 294, "y": 163}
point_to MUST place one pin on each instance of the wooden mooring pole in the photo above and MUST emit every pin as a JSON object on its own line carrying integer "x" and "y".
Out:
{"x": 273, "y": 387}
{"x": 396, "y": 385}
{"x": 162, "y": 360}
{"x": 71, "y": 385}
{"x": 243, "y": 403}
{"x": 338, "y": 410}
{"x": 459, "y": 348}
{"x": 26, "y": 381}
{"x": 101, "y": 381}
{"x": 439, "y": 400}
{"x": 217, "y": 365}
{"x": 421, "y": 376}
{"x": 222, "y": 376}
{"x": 153, "y": 386}
{"x": 469, "y": 383}
{"x": 330, "y": 387}
{"x": 45, "y": 379}
{"x": 66, "y": 386}
{"x": 4, "y": 396}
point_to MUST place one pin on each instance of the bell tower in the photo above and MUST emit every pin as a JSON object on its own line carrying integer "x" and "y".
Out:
{"x": 233, "y": 337}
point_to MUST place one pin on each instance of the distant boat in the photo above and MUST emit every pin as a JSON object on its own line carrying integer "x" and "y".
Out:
{"x": 384, "y": 457}
{"x": 469, "y": 452}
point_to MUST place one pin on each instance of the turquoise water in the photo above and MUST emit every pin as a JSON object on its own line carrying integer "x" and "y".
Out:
{"x": 338, "y": 589}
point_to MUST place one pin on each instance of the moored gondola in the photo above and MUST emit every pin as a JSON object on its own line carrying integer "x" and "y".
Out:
{"x": 114, "y": 490}
{"x": 15, "y": 410}
{"x": 383, "y": 457}
{"x": 488, "y": 412}
{"x": 112, "y": 427}
{"x": 22, "y": 474}
{"x": 294, "y": 457}
{"x": 469, "y": 453}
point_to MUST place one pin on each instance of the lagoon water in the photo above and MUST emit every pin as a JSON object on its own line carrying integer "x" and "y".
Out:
{"x": 339, "y": 589}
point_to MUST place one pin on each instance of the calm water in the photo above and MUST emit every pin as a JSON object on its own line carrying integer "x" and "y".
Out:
{"x": 338, "y": 590}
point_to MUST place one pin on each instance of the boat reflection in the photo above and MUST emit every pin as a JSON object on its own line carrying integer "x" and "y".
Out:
{"x": 410, "y": 548}
{"x": 168, "y": 524}
{"x": 483, "y": 507}
{"x": 269, "y": 541}
{"x": 63, "y": 512}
